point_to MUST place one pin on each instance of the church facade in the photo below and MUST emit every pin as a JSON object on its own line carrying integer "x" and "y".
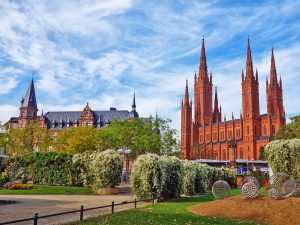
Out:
{"x": 61, "y": 120}
{"x": 206, "y": 134}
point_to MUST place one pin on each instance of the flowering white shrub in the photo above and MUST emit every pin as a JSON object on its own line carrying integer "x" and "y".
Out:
{"x": 107, "y": 168}
{"x": 147, "y": 176}
{"x": 189, "y": 178}
{"x": 201, "y": 182}
{"x": 81, "y": 168}
{"x": 172, "y": 173}
{"x": 284, "y": 156}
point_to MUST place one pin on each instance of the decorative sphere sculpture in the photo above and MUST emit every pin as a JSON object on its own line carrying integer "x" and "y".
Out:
{"x": 273, "y": 193}
{"x": 251, "y": 180}
{"x": 221, "y": 189}
{"x": 250, "y": 190}
{"x": 284, "y": 184}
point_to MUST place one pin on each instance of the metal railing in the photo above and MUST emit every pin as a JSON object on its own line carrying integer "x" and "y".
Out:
{"x": 36, "y": 216}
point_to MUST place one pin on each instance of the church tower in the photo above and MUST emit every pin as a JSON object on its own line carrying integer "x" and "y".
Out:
{"x": 28, "y": 109}
{"x": 274, "y": 95}
{"x": 250, "y": 102}
{"x": 186, "y": 122}
{"x": 203, "y": 93}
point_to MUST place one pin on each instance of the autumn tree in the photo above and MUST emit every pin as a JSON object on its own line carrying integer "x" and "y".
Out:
{"x": 76, "y": 140}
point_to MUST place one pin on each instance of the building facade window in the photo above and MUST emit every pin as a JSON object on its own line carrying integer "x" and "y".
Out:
{"x": 248, "y": 130}
{"x": 273, "y": 130}
{"x": 265, "y": 130}
{"x": 29, "y": 113}
{"x": 230, "y": 134}
{"x": 241, "y": 153}
{"x": 224, "y": 154}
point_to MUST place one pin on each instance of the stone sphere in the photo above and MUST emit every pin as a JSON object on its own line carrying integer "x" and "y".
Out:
{"x": 221, "y": 189}
{"x": 250, "y": 190}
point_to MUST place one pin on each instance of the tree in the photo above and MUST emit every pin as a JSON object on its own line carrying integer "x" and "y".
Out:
{"x": 291, "y": 130}
{"x": 77, "y": 140}
{"x": 169, "y": 140}
{"x": 262, "y": 153}
{"x": 32, "y": 137}
{"x": 3, "y": 140}
{"x": 284, "y": 156}
{"x": 136, "y": 134}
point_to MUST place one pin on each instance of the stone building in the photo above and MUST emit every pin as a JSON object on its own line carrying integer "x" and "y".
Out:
{"x": 61, "y": 120}
{"x": 208, "y": 134}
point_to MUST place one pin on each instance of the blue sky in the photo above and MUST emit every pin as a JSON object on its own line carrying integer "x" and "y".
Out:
{"x": 99, "y": 51}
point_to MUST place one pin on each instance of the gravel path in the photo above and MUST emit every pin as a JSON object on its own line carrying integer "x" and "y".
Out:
{"x": 27, "y": 205}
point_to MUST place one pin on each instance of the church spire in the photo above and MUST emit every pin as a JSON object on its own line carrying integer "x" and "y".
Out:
{"x": 30, "y": 100}
{"x": 216, "y": 110}
{"x": 273, "y": 73}
{"x": 133, "y": 102}
{"x": 249, "y": 65}
{"x": 186, "y": 95}
{"x": 203, "y": 66}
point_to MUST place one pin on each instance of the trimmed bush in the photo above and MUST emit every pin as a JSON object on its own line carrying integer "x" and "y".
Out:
{"x": 172, "y": 171}
{"x": 147, "y": 176}
{"x": 82, "y": 175}
{"x": 107, "y": 169}
{"x": 284, "y": 157}
{"x": 202, "y": 171}
{"x": 189, "y": 178}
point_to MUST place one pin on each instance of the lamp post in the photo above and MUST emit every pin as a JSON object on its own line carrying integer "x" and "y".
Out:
{"x": 125, "y": 152}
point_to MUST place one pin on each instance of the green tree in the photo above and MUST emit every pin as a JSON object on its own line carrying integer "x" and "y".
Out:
{"x": 291, "y": 130}
{"x": 169, "y": 139}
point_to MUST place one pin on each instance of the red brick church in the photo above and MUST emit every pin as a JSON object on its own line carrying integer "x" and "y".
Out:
{"x": 208, "y": 136}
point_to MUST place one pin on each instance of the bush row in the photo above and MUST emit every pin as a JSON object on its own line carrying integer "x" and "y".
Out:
{"x": 155, "y": 177}
{"x": 100, "y": 169}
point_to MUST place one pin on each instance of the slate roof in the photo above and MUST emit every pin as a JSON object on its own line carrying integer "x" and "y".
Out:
{"x": 59, "y": 120}
{"x": 30, "y": 99}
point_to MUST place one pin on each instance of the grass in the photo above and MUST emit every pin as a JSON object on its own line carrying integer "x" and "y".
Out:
{"x": 49, "y": 190}
{"x": 171, "y": 213}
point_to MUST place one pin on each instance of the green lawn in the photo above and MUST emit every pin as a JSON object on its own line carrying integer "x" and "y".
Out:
{"x": 172, "y": 213}
{"x": 49, "y": 190}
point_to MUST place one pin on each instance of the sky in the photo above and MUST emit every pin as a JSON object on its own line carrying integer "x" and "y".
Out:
{"x": 100, "y": 51}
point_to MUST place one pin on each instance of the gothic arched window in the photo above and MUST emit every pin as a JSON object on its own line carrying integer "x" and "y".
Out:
{"x": 265, "y": 130}
{"x": 248, "y": 130}
{"x": 241, "y": 153}
{"x": 224, "y": 154}
{"x": 273, "y": 130}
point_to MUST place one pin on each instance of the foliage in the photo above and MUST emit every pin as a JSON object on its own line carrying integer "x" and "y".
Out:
{"x": 260, "y": 176}
{"x": 291, "y": 130}
{"x": 169, "y": 142}
{"x": 262, "y": 155}
{"x": 172, "y": 171}
{"x": 147, "y": 176}
{"x": 215, "y": 174}
{"x": 42, "y": 167}
{"x": 16, "y": 186}
{"x": 3, "y": 178}
{"x": 25, "y": 140}
{"x": 82, "y": 174}
{"x": 77, "y": 140}
{"x": 284, "y": 156}
{"x": 201, "y": 182}
{"x": 189, "y": 178}
{"x": 135, "y": 134}
{"x": 107, "y": 169}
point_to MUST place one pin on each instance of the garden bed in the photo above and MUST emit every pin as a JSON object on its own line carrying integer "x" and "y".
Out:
{"x": 260, "y": 210}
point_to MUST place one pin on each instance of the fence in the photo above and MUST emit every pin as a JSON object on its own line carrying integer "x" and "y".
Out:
{"x": 36, "y": 216}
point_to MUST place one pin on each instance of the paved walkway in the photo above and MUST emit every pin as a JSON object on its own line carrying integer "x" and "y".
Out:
{"x": 27, "y": 205}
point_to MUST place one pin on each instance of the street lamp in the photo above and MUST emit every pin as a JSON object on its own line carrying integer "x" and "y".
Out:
{"x": 125, "y": 152}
